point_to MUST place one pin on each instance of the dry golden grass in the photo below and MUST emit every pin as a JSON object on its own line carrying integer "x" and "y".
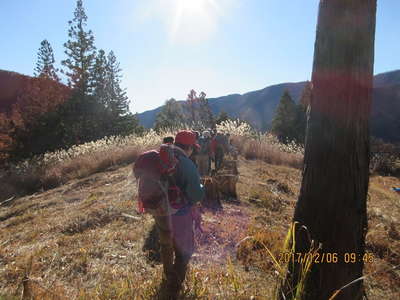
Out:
{"x": 36, "y": 178}
{"x": 73, "y": 242}
{"x": 54, "y": 169}
{"x": 270, "y": 153}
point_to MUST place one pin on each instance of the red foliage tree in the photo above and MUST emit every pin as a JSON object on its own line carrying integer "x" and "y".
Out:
{"x": 24, "y": 99}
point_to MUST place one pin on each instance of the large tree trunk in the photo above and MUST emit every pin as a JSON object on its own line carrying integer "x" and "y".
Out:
{"x": 332, "y": 200}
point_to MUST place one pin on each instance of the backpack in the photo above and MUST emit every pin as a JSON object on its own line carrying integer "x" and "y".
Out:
{"x": 155, "y": 171}
{"x": 204, "y": 145}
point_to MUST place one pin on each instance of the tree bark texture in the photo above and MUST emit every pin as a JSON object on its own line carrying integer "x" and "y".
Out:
{"x": 332, "y": 200}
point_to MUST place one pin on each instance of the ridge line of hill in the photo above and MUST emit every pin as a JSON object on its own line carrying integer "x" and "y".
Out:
{"x": 258, "y": 107}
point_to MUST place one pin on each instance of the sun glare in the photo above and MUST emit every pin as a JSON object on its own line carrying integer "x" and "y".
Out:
{"x": 193, "y": 17}
{"x": 187, "y": 21}
{"x": 195, "y": 6}
{"x": 191, "y": 6}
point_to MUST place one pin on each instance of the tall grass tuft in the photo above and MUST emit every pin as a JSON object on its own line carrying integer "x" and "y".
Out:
{"x": 267, "y": 244}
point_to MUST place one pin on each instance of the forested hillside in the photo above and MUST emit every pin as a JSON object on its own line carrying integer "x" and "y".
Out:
{"x": 23, "y": 99}
{"x": 258, "y": 107}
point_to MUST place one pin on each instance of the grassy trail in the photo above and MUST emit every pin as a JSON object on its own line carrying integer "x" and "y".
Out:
{"x": 74, "y": 242}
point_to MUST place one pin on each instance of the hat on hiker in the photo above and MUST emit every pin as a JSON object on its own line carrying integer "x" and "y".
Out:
{"x": 186, "y": 137}
{"x": 168, "y": 140}
{"x": 206, "y": 134}
{"x": 197, "y": 134}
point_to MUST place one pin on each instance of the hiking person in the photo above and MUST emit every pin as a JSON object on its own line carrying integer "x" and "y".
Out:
{"x": 219, "y": 150}
{"x": 195, "y": 152}
{"x": 203, "y": 156}
{"x": 168, "y": 140}
{"x": 227, "y": 143}
{"x": 174, "y": 207}
{"x": 233, "y": 150}
{"x": 213, "y": 148}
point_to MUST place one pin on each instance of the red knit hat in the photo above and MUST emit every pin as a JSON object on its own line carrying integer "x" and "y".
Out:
{"x": 186, "y": 137}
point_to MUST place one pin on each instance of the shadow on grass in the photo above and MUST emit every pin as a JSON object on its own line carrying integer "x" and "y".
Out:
{"x": 151, "y": 246}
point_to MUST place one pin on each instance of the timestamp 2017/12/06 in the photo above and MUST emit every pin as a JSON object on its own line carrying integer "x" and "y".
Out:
{"x": 325, "y": 257}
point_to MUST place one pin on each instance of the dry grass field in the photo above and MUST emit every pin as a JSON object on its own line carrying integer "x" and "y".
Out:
{"x": 77, "y": 242}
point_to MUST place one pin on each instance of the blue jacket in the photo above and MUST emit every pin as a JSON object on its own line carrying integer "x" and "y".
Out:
{"x": 188, "y": 180}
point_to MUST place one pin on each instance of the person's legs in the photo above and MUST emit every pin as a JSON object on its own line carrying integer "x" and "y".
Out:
{"x": 183, "y": 244}
{"x": 218, "y": 158}
{"x": 202, "y": 164}
{"x": 205, "y": 167}
{"x": 164, "y": 228}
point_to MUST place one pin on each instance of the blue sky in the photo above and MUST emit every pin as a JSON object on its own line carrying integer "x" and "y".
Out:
{"x": 167, "y": 47}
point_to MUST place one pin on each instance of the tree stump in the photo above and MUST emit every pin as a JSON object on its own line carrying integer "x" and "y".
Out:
{"x": 227, "y": 179}
{"x": 212, "y": 199}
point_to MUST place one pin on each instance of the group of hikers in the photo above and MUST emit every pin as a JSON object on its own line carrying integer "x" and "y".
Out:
{"x": 211, "y": 146}
{"x": 169, "y": 188}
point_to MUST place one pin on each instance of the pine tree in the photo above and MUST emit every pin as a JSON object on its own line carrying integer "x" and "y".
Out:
{"x": 305, "y": 98}
{"x": 283, "y": 123}
{"x": 223, "y": 116}
{"x": 127, "y": 124}
{"x": 45, "y": 63}
{"x": 81, "y": 110}
{"x": 117, "y": 102}
{"x": 99, "y": 74}
{"x": 80, "y": 51}
{"x": 301, "y": 114}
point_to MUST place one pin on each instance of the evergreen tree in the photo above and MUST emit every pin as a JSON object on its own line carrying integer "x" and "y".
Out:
{"x": 117, "y": 102}
{"x": 80, "y": 51}
{"x": 100, "y": 78}
{"x": 223, "y": 116}
{"x": 284, "y": 121}
{"x": 301, "y": 114}
{"x": 170, "y": 117}
{"x": 81, "y": 110}
{"x": 45, "y": 63}
{"x": 127, "y": 124}
{"x": 305, "y": 99}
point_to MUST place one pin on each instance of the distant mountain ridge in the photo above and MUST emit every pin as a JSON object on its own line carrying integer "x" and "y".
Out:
{"x": 253, "y": 106}
{"x": 258, "y": 107}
